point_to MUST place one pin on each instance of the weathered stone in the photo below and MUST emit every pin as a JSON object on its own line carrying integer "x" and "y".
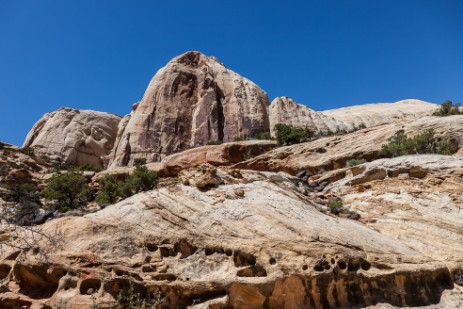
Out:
{"x": 77, "y": 136}
{"x": 194, "y": 99}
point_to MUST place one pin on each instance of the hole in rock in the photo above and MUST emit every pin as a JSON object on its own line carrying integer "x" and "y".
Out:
{"x": 151, "y": 247}
{"x": 253, "y": 271}
{"x": 272, "y": 261}
{"x": 342, "y": 265}
{"x": 305, "y": 267}
{"x": 167, "y": 251}
{"x": 243, "y": 259}
{"x": 16, "y": 303}
{"x": 365, "y": 265}
{"x": 90, "y": 286}
{"x": 38, "y": 281}
{"x": 185, "y": 248}
{"x": 4, "y": 271}
{"x": 122, "y": 286}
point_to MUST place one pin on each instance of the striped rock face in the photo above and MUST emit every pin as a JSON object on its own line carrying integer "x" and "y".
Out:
{"x": 194, "y": 99}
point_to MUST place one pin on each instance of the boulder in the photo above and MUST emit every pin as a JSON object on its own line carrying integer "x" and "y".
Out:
{"x": 76, "y": 136}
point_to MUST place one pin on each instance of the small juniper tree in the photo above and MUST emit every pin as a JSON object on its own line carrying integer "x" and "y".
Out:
{"x": 70, "y": 190}
{"x": 447, "y": 109}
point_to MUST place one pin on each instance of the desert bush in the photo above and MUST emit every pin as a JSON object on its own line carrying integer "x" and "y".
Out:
{"x": 109, "y": 190}
{"x": 216, "y": 142}
{"x": 61, "y": 165}
{"x": 27, "y": 151}
{"x": 2, "y": 145}
{"x": 400, "y": 144}
{"x": 287, "y": 135}
{"x": 447, "y": 109}
{"x": 139, "y": 161}
{"x": 27, "y": 204}
{"x": 45, "y": 158}
{"x": 335, "y": 206}
{"x": 354, "y": 162}
{"x": 263, "y": 135}
{"x": 239, "y": 138}
{"x": 132, "y": 300}
{"x": 143, "y": 179}
{"x": 70, "y": 190}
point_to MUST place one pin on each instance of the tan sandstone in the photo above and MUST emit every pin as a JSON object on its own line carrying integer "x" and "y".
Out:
{"x": 77, "y": 136}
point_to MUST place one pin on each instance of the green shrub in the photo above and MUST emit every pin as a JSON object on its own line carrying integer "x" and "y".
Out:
{"x": 69, "y": 190}
{"x": 45, "y": 158}
{"x": 132, "y": 300}
{"x": 27, "y": 151}
{"x": 287, "y": 135}
{"x": 217, "y": 142}
{"x": 109, "y": 190}
{"x": 447, "y": 109}
{"x": 143, "y": 179}
{"x": 27, "y": 204}
{"x": 335, "y": 206}
{"x": 354, "y": 162}
{"x": 61, "y": 165}
{"x": 239, "y": 139}
{"x": 139, "y": 161}
{"x": 263, "y": 135}
{"x": 400, "y": 144}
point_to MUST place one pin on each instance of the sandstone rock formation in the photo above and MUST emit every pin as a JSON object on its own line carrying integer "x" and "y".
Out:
{"x": 77, "y": 136}
{"x": 332, "y": 152}
{"x": 270, "y": 247}
{"x": 218, "y": 155}
{"x": 285, "y": 110}
{"x": 192, "y": 100}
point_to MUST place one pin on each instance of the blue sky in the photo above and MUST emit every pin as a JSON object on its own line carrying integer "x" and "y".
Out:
{"x": 101, "y": 54}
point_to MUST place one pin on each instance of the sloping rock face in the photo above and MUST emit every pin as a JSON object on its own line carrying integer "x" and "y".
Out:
{"x": 77, "y": 136}
{"x": 332, "y": 152}
{"x": 192, "y": 100}
{"x": 218, "y": 155}
{"x": 287, "y": 111}
{"x": 255, "y": 241}
{"x": 380, "y": 113}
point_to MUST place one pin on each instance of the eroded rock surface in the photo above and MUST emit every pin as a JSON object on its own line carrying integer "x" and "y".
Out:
{"x": 332, "y": 152}
{"x": 218, "y": 155}
{"x": 76, "y": 136}
{"x": 269, "y": 247}
{"x": 194, "y": 99}
{"x": 287, "y": 111}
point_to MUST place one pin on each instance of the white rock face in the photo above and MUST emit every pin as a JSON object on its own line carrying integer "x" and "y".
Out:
{"x": 192, "y": 100}
{"x": 287, "y": 111}
{"x": 380, "y": 113}
{"x": 77, "y": 136}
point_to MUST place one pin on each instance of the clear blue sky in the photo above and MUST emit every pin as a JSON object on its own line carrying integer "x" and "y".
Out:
{"x": 101, "y": 54}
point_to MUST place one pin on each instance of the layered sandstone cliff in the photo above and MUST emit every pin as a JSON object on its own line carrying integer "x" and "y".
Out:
{"x": 287, "y": 111}
{"x": 194, "y": 99}
{"x": 77, "y": 136}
